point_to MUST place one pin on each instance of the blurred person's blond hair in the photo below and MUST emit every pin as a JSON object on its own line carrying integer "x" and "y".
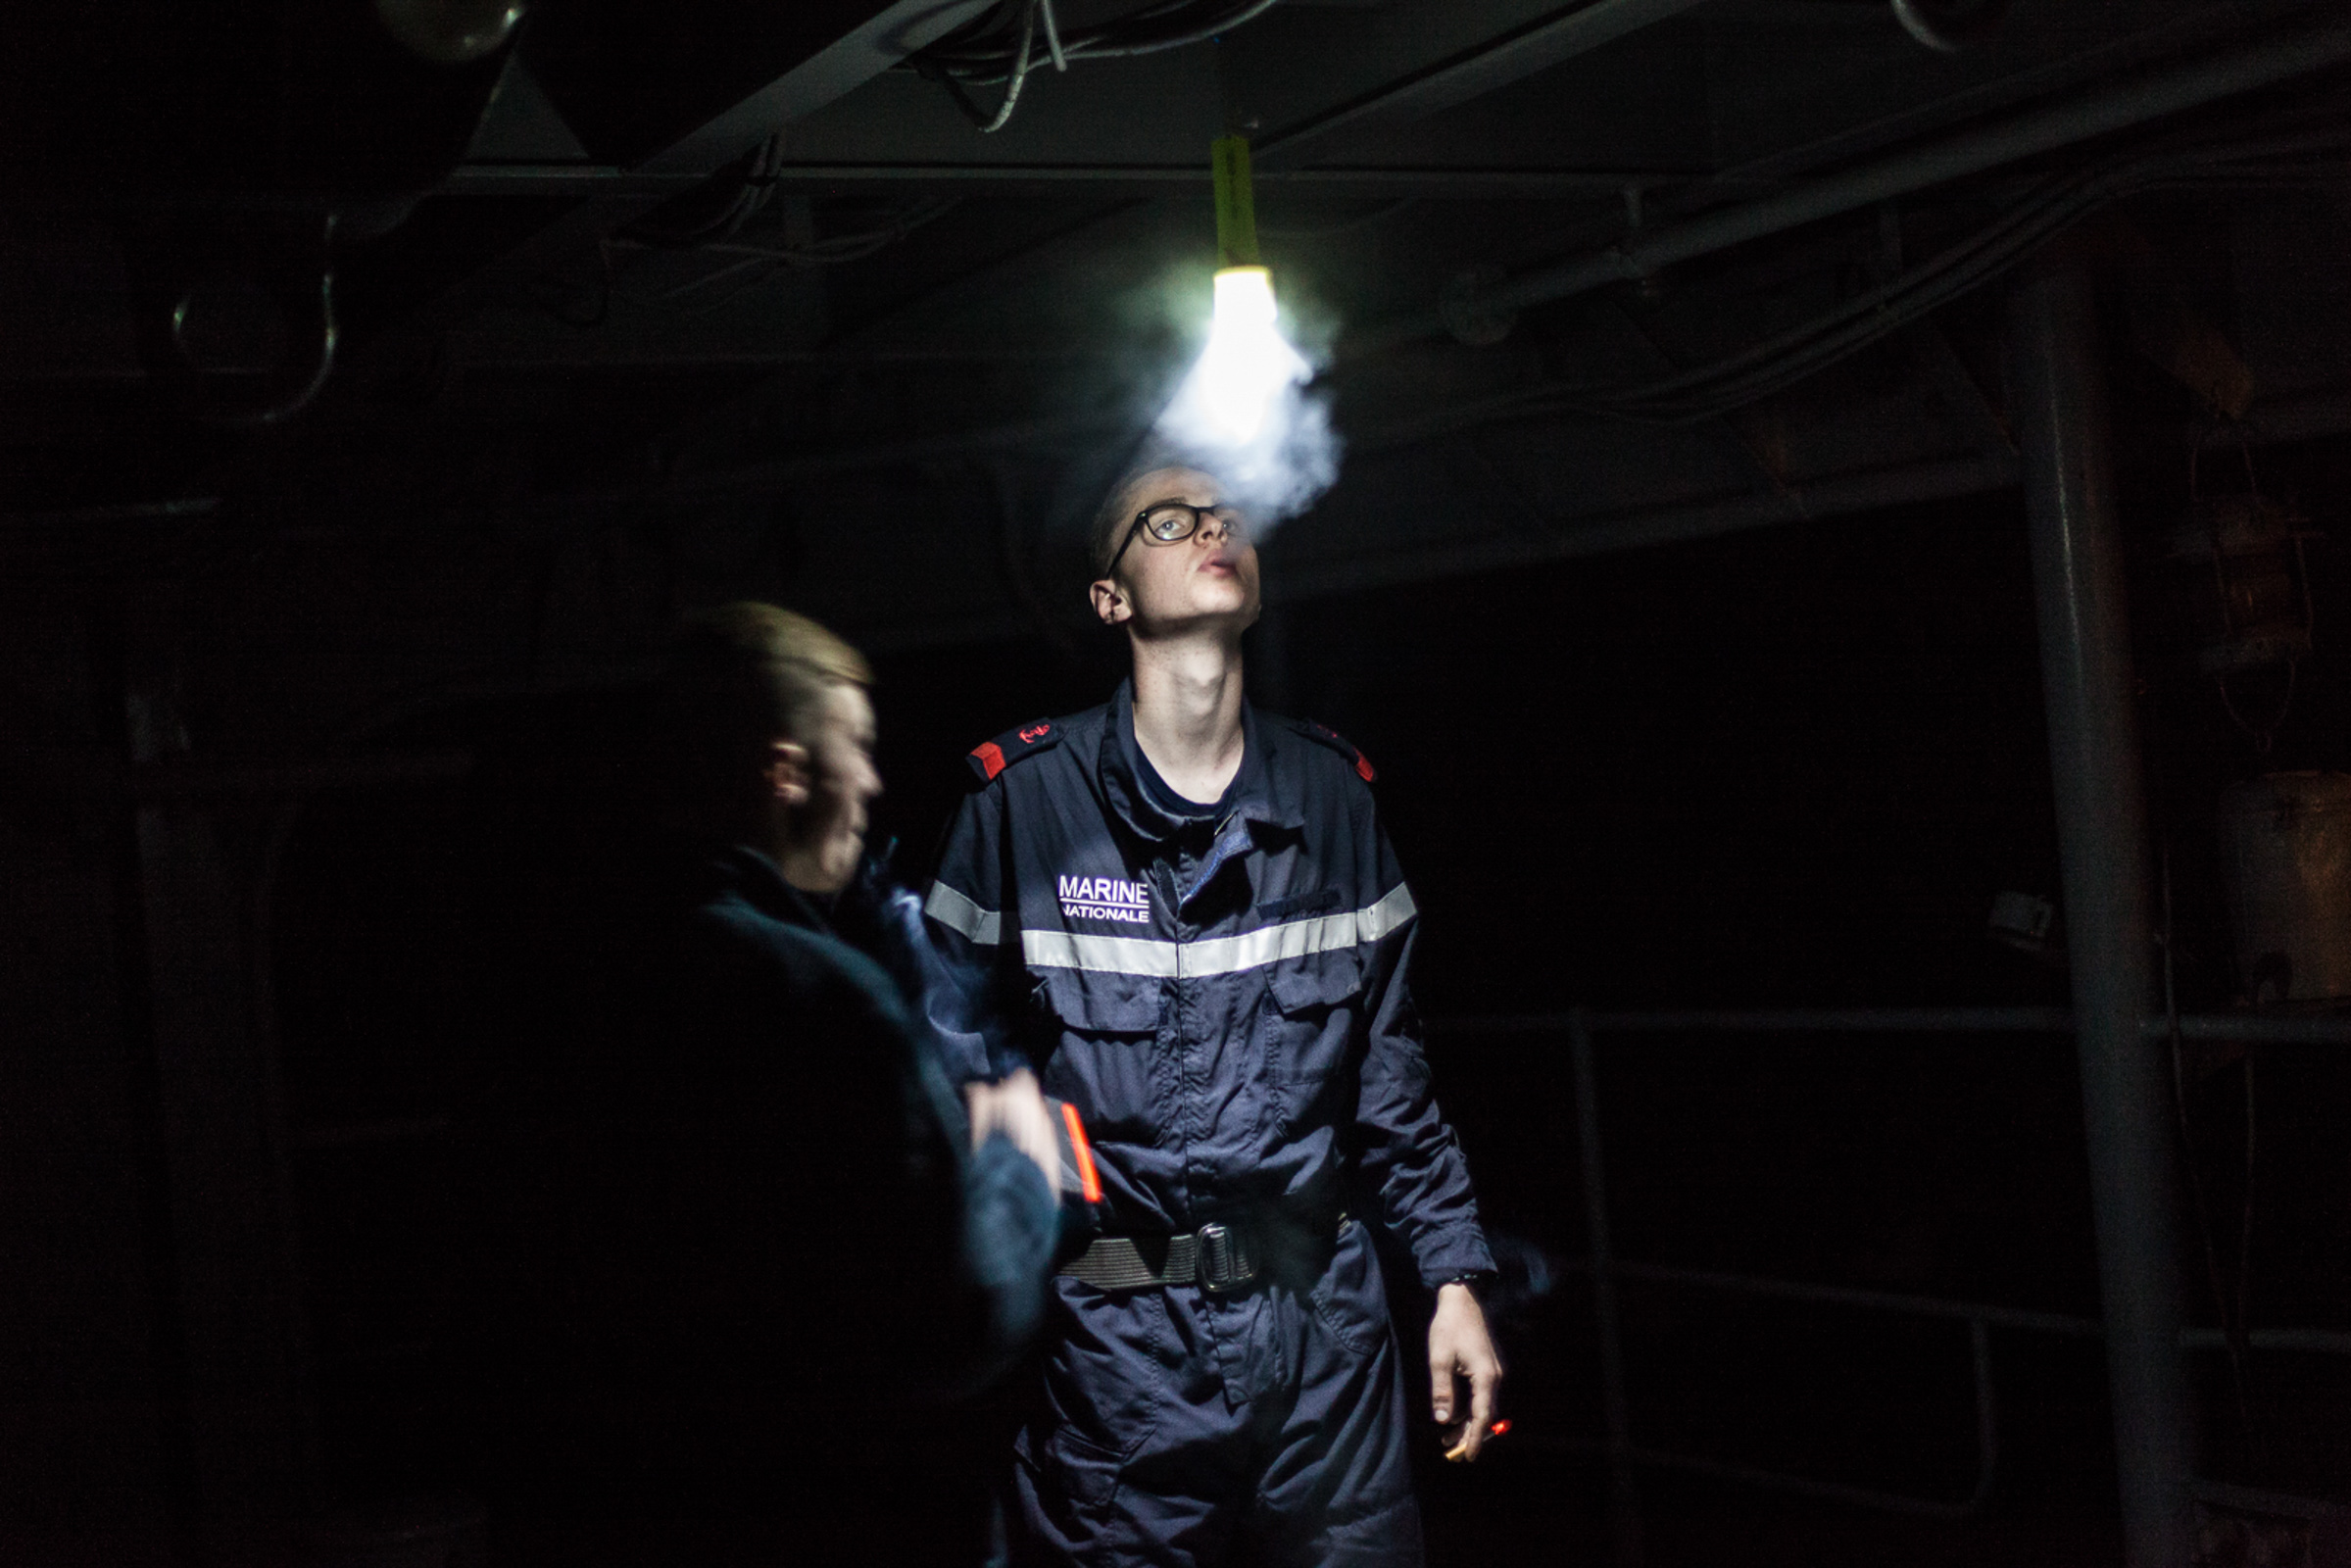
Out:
{"x": 741, "y": 676}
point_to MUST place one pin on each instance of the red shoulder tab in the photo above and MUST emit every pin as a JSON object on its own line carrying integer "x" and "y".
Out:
{"x": 991, "y": 757}
{"x": 1343, "y": 746}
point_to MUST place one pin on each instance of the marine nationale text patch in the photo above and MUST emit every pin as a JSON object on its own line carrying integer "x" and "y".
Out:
{"x": 1105, "y": 897}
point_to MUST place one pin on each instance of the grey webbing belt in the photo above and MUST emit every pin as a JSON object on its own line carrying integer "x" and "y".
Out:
{"x": 1216, "y": 1258}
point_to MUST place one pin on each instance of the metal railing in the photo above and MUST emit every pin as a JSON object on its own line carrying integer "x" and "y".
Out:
{"x": 1605, "y": 1270}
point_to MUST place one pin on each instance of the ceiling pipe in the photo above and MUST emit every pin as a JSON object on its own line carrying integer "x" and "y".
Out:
{"x": 2120, "y": 106}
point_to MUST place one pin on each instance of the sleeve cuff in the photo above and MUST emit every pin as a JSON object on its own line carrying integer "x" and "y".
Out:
{"x": 1450, "y": 1254}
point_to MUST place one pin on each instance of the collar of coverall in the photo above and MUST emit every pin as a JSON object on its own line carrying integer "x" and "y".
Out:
{"x": 1255, "y": 800}
{"x": 760, "y": 882}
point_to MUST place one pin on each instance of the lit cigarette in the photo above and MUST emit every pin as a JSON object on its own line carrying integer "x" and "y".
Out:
{"x": 1460, "y": 1451}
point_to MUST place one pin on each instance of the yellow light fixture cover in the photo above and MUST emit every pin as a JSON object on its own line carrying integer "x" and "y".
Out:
{"x": 1236, "y": 203}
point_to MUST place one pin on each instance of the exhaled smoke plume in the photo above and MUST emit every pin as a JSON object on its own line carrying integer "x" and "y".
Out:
{"x": 1247, "y": 408}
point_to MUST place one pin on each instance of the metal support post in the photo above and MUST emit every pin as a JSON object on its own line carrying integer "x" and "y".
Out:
{"x": 1624, "y": 1503}
{"x": 2058, "y": 396}
{"x": 248, "y": 1446}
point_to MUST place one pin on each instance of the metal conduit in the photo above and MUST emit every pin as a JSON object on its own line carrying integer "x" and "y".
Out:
{"x": 2134, "y": 102}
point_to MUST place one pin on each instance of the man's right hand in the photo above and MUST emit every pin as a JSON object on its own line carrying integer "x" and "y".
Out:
{"x": 1460, "y": 1350}
{"x": 1014, "y": 1106}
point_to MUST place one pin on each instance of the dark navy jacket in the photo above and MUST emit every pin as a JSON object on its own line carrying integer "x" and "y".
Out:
{"x": 838, "y": 1140}
{"x": 757, "y": 1147}
{"x": 739, "y": 1255}
{"x": 1225, "y": 1003}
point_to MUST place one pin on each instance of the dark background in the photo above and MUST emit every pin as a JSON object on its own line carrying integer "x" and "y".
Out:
{"x": 325, "y": 710}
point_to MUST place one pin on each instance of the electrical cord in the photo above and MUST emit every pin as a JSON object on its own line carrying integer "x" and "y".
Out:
{"x": 1053, "y": 34}
{"x": 1013, "y": 81}
{"x": 710, "y": 219}
{"x": 1002, "y": 46}
{"x": 755, "y": 175}
{"x": 764, "y": 260}
{"x": 981, "y": 52}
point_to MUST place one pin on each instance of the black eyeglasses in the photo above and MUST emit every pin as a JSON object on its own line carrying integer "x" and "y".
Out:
{"x": 1168, "y": 522}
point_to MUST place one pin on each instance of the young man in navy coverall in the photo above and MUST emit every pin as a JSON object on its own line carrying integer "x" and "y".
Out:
{"x": 1205, "y": 934}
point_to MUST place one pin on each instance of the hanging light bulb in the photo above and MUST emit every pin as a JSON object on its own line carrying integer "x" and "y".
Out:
{"x": 1234, "y": 398}
{"x": 1247, "y": 368}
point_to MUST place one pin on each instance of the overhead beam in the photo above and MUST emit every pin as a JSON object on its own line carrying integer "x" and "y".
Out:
{"x": 2120, "y": 106}
{"x": 1281, "y": 70}
{"x": 823, "y": 78}
{"x": 1471, "y": 184}
{"x": 826, "y": 75}
{"x": 2042, "y": 72}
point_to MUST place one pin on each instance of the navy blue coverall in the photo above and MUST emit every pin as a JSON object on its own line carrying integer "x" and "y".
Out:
{"x": 1225, "y": 1005}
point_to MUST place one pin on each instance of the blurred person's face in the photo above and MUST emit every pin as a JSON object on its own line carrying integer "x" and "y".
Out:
{"x": 1159, "y": 586}
{"x": 823, "y": 780}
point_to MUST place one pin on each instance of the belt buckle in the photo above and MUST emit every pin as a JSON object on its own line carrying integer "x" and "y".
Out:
{"x": 1225, "y": 1263}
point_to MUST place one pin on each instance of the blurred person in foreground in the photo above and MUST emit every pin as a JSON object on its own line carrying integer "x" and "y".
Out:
{"x": 771, "y": 1247}
{"x": 1197, "y": 909}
